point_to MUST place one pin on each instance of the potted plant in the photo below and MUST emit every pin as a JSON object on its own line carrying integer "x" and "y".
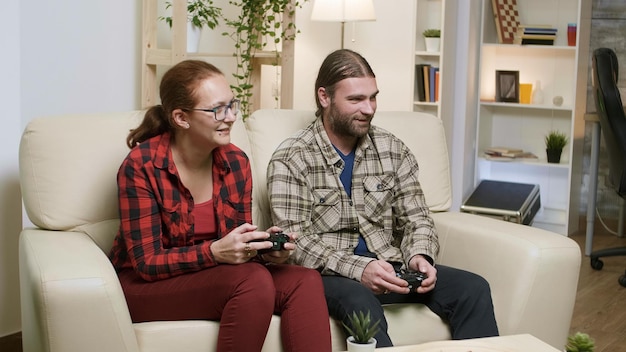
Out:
{"x": 200, "y": 14}
{"x": 432, "y": 39}
{"x": 555, "y": 142}
{"x": 258, "y": 19}
{"x": 579, "y": 342}
{"x": 362, "y": 331}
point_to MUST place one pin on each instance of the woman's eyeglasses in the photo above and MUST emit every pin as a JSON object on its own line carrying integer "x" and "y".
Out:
{"x": 220, "y": 112}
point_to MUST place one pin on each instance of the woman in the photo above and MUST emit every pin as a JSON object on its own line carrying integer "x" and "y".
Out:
{"x": 184, "y": 250}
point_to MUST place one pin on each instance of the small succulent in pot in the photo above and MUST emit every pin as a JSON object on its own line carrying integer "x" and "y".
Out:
{"x": 432, "y": 33}
{"x": 579, "y": 342}
{"x": 361, "y": 327}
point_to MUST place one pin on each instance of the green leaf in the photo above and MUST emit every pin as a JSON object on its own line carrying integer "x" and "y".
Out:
{"x": 579, "y": 342}
{"x": 360, "y": 327}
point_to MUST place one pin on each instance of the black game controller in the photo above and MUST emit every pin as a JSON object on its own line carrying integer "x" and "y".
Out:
{"x": 412, "y": 277}
{"x": 278, "y": 242}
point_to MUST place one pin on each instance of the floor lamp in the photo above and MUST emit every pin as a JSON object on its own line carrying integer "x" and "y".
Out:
{"x": 343, "y": 11}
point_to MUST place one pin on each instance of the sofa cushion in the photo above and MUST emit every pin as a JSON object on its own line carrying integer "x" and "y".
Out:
{"x": 68, "y": 168}
{"x": 265, "y": 136}
{"x": 417, "y": 130}
{"x": 68, "y": 175}
{"x": 408, "y": 324}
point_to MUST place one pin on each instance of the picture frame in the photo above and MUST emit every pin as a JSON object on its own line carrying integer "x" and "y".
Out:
{"x": 507, "y": 86}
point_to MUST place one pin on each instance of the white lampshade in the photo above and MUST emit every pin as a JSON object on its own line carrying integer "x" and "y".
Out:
{"x": 343, "y": 10}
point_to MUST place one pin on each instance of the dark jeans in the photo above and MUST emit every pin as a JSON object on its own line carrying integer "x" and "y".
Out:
{"x": 461, "y": 298}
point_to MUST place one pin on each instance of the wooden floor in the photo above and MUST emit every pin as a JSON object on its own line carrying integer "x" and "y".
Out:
{"x": 600, "y": 309}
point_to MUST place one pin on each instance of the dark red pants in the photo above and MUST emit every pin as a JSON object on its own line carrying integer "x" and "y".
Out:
{"x": 243, "y": 298}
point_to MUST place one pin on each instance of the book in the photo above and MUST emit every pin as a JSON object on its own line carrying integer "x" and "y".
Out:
{"x": 538, "y": 36}
{"x": 431, "y": 82}
{"x": 538, "y": 27}
{"x": 419, "y": 82}
{"x": 426, "y": 70}
{"x": 509, "y": 156}
{"x": 503, "y": 150}
{"x": 437, "y": 85}
{"x": 537, "y": 42}
{"x": 503, "y": 153}
{"x": 539, "y": 31}
{"x": 533, "y": 33}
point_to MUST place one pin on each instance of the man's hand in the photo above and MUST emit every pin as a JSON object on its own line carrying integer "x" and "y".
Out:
{"x": 419, "y": 263}
{"x": 380, "y": 277}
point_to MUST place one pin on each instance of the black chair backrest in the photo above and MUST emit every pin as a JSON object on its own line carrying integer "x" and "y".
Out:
{"x": 610, "y": 109}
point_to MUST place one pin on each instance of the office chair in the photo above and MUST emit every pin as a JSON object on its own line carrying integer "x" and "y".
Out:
{"x": 610, "y": 111}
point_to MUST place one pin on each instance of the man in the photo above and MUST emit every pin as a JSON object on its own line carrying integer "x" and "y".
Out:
{"x": 351, "y": 191}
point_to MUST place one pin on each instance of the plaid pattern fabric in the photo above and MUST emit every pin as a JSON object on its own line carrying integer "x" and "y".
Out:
{"x": 156, "y": 226}
{"x": 387, "y": 206}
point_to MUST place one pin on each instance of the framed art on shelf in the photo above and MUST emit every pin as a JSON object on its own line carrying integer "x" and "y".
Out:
{"x": 507, "y": 86}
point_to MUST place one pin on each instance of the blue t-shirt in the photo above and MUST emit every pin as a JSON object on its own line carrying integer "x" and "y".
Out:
{"x": 346, "y": 180}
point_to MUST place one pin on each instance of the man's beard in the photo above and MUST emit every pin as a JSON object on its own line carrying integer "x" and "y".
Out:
{"x": 342, "y": 124}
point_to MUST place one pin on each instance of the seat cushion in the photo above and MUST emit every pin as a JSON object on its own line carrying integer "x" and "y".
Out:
{"x": 408, "y": 324}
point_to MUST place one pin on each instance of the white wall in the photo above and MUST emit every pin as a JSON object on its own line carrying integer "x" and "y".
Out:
{"x": 10, "y": 203}
{"x": 381, "y": 42}
{"x": 62, "y": 56}
{"x": 79, "y": 56}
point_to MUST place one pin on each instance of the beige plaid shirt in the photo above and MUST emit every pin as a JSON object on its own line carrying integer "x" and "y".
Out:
{"x": 387, "y": 206}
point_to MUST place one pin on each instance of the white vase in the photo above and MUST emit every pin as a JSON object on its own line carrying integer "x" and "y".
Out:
{"x": 193, "y": 38}
{"x": 432, "y": 44}
{"x": 537, "y": 93}
{"x": 361, "y": 347}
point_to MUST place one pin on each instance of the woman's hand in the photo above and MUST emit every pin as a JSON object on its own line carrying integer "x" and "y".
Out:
{"x": 280, "y": 257}
{"x": 237, "y": 247}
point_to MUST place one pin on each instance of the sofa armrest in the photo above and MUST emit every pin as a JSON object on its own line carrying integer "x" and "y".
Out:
{"x": 70, "y": 294}
{"x": 533, "y": 273}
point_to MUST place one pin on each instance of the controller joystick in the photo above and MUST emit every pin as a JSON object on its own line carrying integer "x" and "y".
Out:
{"x": 278, "y": 242}
{"x": 412, "y": 277}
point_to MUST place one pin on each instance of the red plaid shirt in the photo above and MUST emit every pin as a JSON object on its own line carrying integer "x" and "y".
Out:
{"x": 156, "y": 234}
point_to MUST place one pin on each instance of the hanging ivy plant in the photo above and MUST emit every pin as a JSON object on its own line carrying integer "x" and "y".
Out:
{"x": 258, "y": 19}
{"x": 200, "y": 13}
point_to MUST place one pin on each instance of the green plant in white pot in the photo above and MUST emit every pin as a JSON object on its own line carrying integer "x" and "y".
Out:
{"x": 579, "y": 342}
{"x": 362, "y": 331}
{"x": 432, "y": 37}
{"x": 555, "y": 142}
{"x": 200, "y": 14}
{"x": 258, "y": 20}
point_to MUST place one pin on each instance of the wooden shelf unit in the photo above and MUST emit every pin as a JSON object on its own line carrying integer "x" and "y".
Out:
{"x": 152, "y": 56}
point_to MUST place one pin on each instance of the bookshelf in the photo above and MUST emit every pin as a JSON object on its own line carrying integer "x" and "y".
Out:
{"x": 431, "y": 14}
{"x": 561, "y": 70}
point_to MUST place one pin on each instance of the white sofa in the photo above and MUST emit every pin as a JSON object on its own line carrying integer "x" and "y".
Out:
{"x": 72, "y": 301}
